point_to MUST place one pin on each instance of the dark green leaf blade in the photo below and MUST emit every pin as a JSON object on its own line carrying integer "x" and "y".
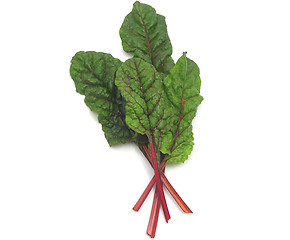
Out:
{"x": 147, "y": 110}
{"x": 182, "y": 87}
{"x": 94, "y": 76}
{"x": 144, "y": 33}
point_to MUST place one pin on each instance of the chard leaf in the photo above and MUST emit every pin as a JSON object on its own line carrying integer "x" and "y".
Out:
{"x": 144, "y": 33}
{"x": 182, "y": 87}
{"x": 94, "y": 76}
{"x": 147, "y": 110}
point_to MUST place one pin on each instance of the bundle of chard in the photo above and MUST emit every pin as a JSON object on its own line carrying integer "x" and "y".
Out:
{"x": 147, "y": 100}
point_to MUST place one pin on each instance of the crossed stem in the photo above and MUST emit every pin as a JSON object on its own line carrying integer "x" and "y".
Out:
{"x": 152, "y": 225}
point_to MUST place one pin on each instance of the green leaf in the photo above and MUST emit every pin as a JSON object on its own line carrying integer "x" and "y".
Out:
{"x": 144, "y": 33}
{"x": 182, "y": 87}
{"x": 94, "y": 76}
{"x": 148, "y": 110}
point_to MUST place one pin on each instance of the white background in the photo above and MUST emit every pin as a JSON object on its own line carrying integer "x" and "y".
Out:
{"x": 60, "y": 180}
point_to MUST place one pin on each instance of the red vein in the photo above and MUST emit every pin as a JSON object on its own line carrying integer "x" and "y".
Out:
{"x": 151, "y": 84}
{"x": 146, "y": 37}
{"x": 158, "y": 101}
{"x": 180, "y": 118}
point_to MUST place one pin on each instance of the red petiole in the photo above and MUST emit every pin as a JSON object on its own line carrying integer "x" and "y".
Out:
{"x": 166, "y": 183}
{"x": 170, "y": 189}
{"x": 144, "y": 195}
{"x": 158, "y": 181}
{"x": 175, "y": 195}
{"x": 151, "y": 183}
{"x": 152, "y": 225}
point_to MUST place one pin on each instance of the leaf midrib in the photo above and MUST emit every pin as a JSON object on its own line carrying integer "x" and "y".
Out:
{"x": 146, "y": 37}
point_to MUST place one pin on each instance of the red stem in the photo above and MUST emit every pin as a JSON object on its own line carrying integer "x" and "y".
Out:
{"x": 175, "y": 195}
{"x": 167, "y": 184}
{"x": 158, "y": 182}
{"x": 152, "y": 225}
{"x": 148, "y": 189}
{"x": 147, "y": 153}
{"x": 144, "y": 195}
{"x": 170, "y": 189}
